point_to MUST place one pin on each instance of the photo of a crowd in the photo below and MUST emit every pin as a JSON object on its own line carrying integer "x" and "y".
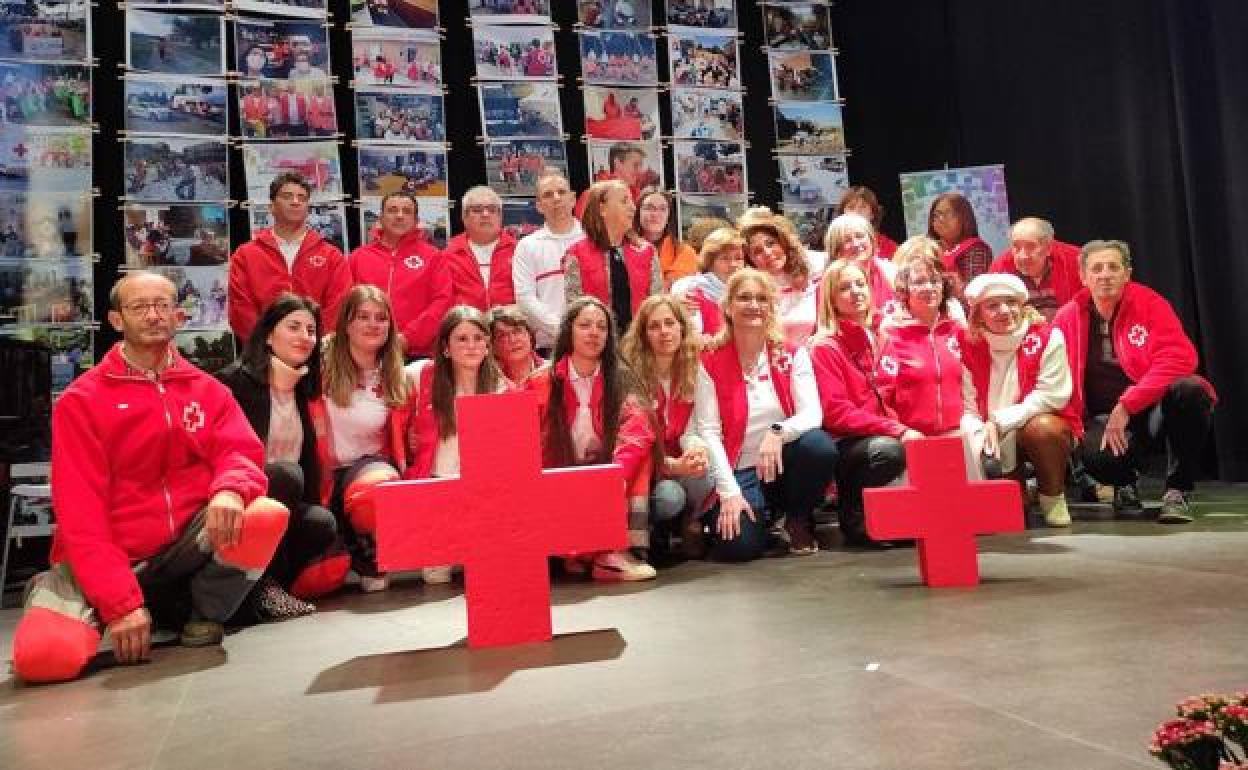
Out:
{"x": 176, "y": 235}
{"x": 510, "y": 11}
{"x": 44, "y": 159}
{"x": 287, "y": 109}
{"x": 809, "y": 128}
{"x": 798, "y": 26}
{"x": 710, "y": 168}
{"x": 521, "y": 217}
{"x": 281, "y": 49}
{"x": 803, "y": 76}
{"x": 46, "y": 292}
{"x": 520, "y": 110}
{"x": 619, "y": 58}
{"x": 417, "y": 171}
{"x": 173, "y": 169}
{"x": 175, "y": 43}
{"x": 397, "y": 115}
{"x": 621, "y": 113}
{"x": 316, "y": 162}
{"x": 168, "y": 105}
{"x": 715, "y": 14}
{"x": 513, "y": 167}
{"x": 44, "y": 225}
{"x": 707, "y": 114}
{"x": 327, "y": 219}
{"x": 391, "y": 58}
{"x": 433, "y": 214}
{"x": 45, "y": 94}
{"x": 201, "y": 295}
{"x": 503, "y": 52}
{"x": 44, "y": 31}
{"x": 813, "y": 180}
{"x": 614, "y": 14}
{"x": 704, "y": 59}
{"x": 398, "y": 14}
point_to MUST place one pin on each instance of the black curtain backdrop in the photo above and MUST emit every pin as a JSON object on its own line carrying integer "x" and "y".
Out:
{"x": 1114, "y": 119}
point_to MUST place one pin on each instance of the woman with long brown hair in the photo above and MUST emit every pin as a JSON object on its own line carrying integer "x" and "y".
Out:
{"x": 773, "y": 246}
{"x": 656, "y": 223}
{"x": 951, "y": 222}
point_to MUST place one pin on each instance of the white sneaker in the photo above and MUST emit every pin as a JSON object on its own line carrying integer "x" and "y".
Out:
{"x": 621, "y": 566}
{"x": 1054, "y": 510}
{"x": 436, "y": 575}
{"x": 371, "y": 585}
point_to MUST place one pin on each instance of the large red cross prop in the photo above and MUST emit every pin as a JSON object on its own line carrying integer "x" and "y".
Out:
{"x": 501, "y": 519}
{"x": 943, "y": 511}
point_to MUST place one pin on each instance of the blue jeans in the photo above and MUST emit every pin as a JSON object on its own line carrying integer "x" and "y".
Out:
{"x": 809, "y": 466}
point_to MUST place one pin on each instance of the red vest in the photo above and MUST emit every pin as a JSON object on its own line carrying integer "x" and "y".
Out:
{"x": 422, "y": 429}
{"x": 674, "y": 414}
{"x": 638, "y": 260}
{"x": 977, "y": 358}
{"x": 724, "y": 368}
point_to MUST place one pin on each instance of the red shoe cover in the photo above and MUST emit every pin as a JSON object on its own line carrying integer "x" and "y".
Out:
{"x": 357, "y": 499}
{"x": 51, "y": 647}
{"x": 264, "y": 523}
{"x": 321, "y": 577}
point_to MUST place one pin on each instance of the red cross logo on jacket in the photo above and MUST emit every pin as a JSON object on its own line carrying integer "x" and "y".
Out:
{"x": 1031, "y": 344}
{"x": 888, "y": 365}
{"x": 782, "y": 361}
{"x": 954, "y": 347}
{"x": 317, "y": 260}
{"x": 414, "y": 262}
{"x": 192, "y": 417}
{"x": 1138, "y": 335}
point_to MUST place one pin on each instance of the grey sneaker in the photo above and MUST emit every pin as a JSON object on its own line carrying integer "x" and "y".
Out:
{"x": 202, "y": 633}
{"x": 1174, "y": 509}
{"x": 1127, "y": 501}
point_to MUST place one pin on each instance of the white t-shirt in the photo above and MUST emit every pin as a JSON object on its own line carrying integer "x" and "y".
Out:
{"x": 359, "y": 429}
{"x": 290, "y": 249}
{"x": 484, "y": 256}
{"x": 585, "y": 440}
{"x": 537, "y": 274}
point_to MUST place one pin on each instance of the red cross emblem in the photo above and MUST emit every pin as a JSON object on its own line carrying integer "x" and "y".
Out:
{"x": 954, "y": 347}
{"x": 414, "y": 262}
{"x": 192, "y": 417}
{"x": 1138, "y": 335}
{"x": 317, "y": 260}
{"x": 782, "y": 360}
{"x": 1031, "y": 344}
{"x": 888, "y": 365}
{"x": 20, "y": 151}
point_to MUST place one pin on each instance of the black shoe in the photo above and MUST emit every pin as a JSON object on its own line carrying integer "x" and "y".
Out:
{"x": 856, "y": 541}
{"x": 1127, "y": 502}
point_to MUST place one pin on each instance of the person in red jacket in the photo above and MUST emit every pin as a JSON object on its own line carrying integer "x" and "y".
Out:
{"x": 951, "y": 221}
{"x": 157, "y": 478}
{"x": 590, "y": 416}
{"x": 843, "y": 357}
{"x": 1048, "y": 267}
{"x": 409, "y": 269}
{"x": 611, "y": 263}
{"x": 1135, "y": 381}
{"x": 289, "y": 256}
{"x": 479, "y": 258}
{"x": 627, "y": 161}
{"x": 850, "y": 236}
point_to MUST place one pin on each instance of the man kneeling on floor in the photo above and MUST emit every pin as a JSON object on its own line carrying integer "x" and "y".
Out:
{"x": 157, "y": 483}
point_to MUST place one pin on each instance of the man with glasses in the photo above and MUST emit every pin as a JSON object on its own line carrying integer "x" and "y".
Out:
{"x": 158, "y": 484}
{"x": 537, "y": 268}
{"x": 289, "y": 256}
{"x": 480, "y": 256}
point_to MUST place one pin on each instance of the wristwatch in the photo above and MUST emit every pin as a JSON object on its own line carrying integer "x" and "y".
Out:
{"x": 776, "y": 428}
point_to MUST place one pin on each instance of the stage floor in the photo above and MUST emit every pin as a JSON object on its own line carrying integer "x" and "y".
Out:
{"x": 1076, "y": 645}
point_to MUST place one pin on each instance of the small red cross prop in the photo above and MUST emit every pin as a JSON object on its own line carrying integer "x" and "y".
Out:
{"x": 501, "y": 518}
{"x": 943, "y": 511}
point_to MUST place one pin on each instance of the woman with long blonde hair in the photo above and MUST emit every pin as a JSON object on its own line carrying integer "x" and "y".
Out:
{"x": 850, "y": 236}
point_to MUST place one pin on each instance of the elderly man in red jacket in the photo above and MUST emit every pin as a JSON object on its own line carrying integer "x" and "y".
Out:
{"x": 480, "y": 256}
{"x": 1049, "y": 268}
{"x": 1135, "y": 381}
{"x": 157, "y": 482}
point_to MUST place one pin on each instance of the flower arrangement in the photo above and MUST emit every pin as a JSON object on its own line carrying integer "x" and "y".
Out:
{"x": 1201, "y": 737}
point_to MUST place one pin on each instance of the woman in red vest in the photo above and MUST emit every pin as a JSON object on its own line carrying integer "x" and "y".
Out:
{"x": 461, "y": 366}
{"x": 850, "y": 236}
{"x": 662, "y": 348}
{"x": 951, "y": 221}
{"x": 843, "y": 357}
{"x": 612, "y": 262}
{"x": 757, "y": 409}
{"x": 1022, "y": 408}
{"x": 592, "y": 414}
{"x": 723, "y": 253}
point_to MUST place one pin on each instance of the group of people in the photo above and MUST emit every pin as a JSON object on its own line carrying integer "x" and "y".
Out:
{"x": 281, "y": 109}
{"x": 741, "y": 382}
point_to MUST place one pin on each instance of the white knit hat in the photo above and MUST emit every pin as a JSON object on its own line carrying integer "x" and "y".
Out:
{"x": 995, "y": 285}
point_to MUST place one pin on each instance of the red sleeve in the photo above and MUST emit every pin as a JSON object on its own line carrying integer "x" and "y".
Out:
{"x": 502, "y": 290}
{"x": 1171, "y": 355}
{"x": 236, "y": 453}
{"x": 241, "y": 300}
{"x": 842, "y": 416}
{"x": 340, "y": 283}
{"x": 1067, "y": 320}
{"x": 80, "y": 489}
{"x": 886, "y": 373}
{"x": 636, "y": 437}
{"x": 421, "y": 331}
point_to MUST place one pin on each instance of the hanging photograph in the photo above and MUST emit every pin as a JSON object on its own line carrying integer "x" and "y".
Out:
{"x": 167, "y": 105}
{"x": 201, "y": 295}
{"x": 504, "y": 52}
{"x": 73, "y": 350}
{"x": 281, "y": 49}
{"x": 53, "y": 292}
{"x": 709, "y": 168}
{"x": 691, "y": 208}
{"x": 699, "y": 113}
{"x": 45, "y": 226}
{"x": 651, "y": 174}
{"x": 521, "y": 217}
{"x": 175, "y": 43}
{"x": 414, "y": 170}
{"x": 39, "y": 160}
{"x": 397, "y": 58}
{"x": 328, "y": 219}
{"x": 46, "y": 94}
{"x": 45, "y": 31}
{"x": 984, "y": 188}
{"x": 809, "y": 128}
{"x": 619, "y": 58}
{"x": 798, "y": 26}
{"x": 317, "y": 162}
{"x": 520, "y": 110}
{"x": 286, "y": 109}
{"x": 513, "y": 168}
{"x": 811, "y": 223}
{"x": 509, "y": 11}
{"x": 164, "y": 168}
{"x": 399, "y": 14}
{"x": 813, "y": 180}
{"x": 176, "y": 235}
{"x": 713, "y": 14}
{"x": 304, "y": 9}
{"x": 399, "y": 115}
{"x": 182, "y": 5}
{"x": 703, "y": 59}
{"x": 621, "y": 113}
{"x": 210, "y": 350}
{"x": 614, "y": 14}
{"x": 433, "y": 213}
{"x": 803, "y": 76}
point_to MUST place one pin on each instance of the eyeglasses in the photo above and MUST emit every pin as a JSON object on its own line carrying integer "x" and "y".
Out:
{"x": 655, "y": 209}
{"x": 481, "y": 209}
{"x": 162, "y": 308}
{"x": 917, "y": 282}
{"x": 752, "y": 299}
{"x": 940, "y": 216}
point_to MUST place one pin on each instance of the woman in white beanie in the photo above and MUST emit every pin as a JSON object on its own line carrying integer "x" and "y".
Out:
{"x": 1022, "y": 380}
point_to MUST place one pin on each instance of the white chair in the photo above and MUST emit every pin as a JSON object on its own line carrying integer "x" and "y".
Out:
{"x": 19, "y": 494}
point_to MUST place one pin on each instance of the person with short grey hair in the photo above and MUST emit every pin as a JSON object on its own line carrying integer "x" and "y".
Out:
{"x": 1049, "y": 268}
{"x": 480, "y": 257}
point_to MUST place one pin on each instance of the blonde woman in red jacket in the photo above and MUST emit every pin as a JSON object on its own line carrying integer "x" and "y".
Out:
{"x": 593, "y": 414}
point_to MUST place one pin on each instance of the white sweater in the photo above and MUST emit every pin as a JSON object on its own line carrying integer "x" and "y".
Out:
{"x": 537, "y": 274}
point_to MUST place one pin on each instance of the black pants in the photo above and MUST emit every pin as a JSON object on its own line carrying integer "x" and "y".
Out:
{"x": 866, "y": 461}
{"x": 312, "y": 531}
{"x": 1181, "y": 418}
